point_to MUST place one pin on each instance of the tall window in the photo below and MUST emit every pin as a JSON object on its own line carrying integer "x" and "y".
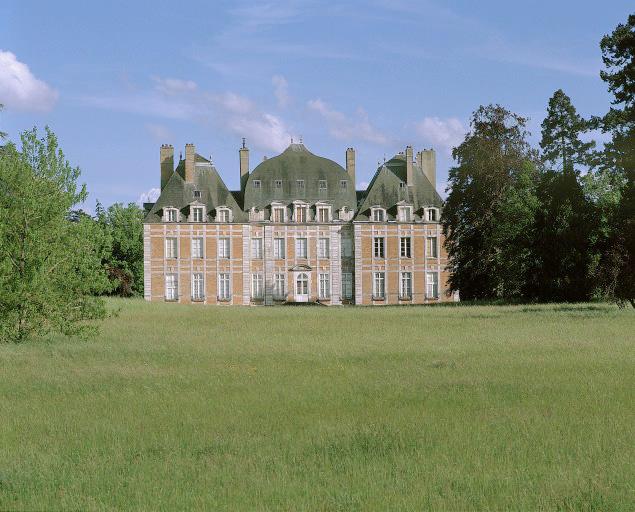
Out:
{"x": 432, "y": 249}
{"x": 347, "y": 285}
{"x": 277, "y": 212}
{"x": 279, "y": 286}
{"x": 223, "y": 248}
{"x": 405, "y": 285}
{"x": 405, "y": 214}
{"x": 302, "y": 285}
{"x": 224, "y": 286}
{"x": 256, "y": 248}
{"x": 378, "y": 247}
{"x": 378, "y": 215}
{"x": 170, "y": 215}
{"x": 323, "y": 248}
{"x": 197, "y": 214}
{"x": 432, "y": 285}
{"x": 198, "y": 286}
{"x": 279, "y": 249}
{"x": 301, "y": 250}
{"x": 197, "y": 247}
{"x": 222, "y": 215}
{"x": 325, "y": 286}
{"x": 171, "y": 248}
{"x": 257, "y": 286}
{"x": 324, "y": 214}
{"x": 343, "y": 185}
{"x": 171, "y": 287}
{"x": 432, "y": 214}
{"x": 300, "y": 213}
{"x": 347, "y": 247}
{"x": 405, "y": 247}
{"x": 379, "y": 285}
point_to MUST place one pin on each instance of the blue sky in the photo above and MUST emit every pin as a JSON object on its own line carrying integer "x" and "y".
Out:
{"x": 117, "y": 79}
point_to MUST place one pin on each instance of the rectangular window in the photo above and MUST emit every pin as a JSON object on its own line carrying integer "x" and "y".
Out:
{"x": 198, "y": 286}
{"x": 223, "y": 248}
{"x": 170, "y": 215}
{"x": 257, "y": 184}
{"x": 379, "y": 285}
{"x": 378, "y": 215}
{"x": 432, "y": 285}
{"x": 432, "y": 249}
{"x": 432, "y": 215}
{"x": 197, "y": 194}
{"x": 322, "y": 185}
{"x": 347, "y": 247}
{"x": 257, "y": 286}
{"x": 323, "y": 248}
{"x": 224, "y": 286}
{"x": 325, "y": 286}
{"x": 323, "y": 214}
{"x": 378, "y": 247}
{"x": 222, "y": 216}
{"x": 343, "y": 185}
{"x": 405, "y": 246}
{"x": 171, "y": 287}
{"x": 301, "y": 250}
{"x": 256, "y": 248}
{"x": 300, "y": 213}
{"x": 277, "y": 184}
{"x": 405, "y": 214}
{"x": 197, "y": 247}
{"x": 279, "y": 249}
{"x": 405, "y": 285}
{"x": 279, "y": 286}
{"x": 197, "y": 214}
{"x": 171, "y": 248}
{"x": 347, "y": 285}
{"x": 278, "y": 214}
{"x": 299, "y": 185}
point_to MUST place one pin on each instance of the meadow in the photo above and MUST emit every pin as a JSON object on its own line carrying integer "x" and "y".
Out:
{"x": 179, "y": 407}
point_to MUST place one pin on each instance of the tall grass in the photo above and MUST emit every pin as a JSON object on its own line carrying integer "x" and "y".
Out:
{"x": 184, "y": 407}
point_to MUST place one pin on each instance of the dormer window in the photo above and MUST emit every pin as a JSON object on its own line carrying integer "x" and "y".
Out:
{"x": 277, "y": 214}
{"x": 432, "y": 214}
{"x": 299, "y": 184}
{"x": 170, "y": 215}
{"x": 378, "y": 215}
{"x": 257, "y": 184}
{"x": 324, "y": 214}
{"x": 300, "y": 213}
{"x": 322, "y": 185}
{"x": 223, "y": 215}
{"x": 343, "y": 185}
{"x": 197, "y": 214}
{"x": 277, "y": 184}
{"x": 197, "y": 194}
{"x": 402, "y": 186}
{"x": 404, "y": 213}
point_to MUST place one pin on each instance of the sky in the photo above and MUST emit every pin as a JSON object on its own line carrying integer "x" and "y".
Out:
{"x": 115, "y": 80}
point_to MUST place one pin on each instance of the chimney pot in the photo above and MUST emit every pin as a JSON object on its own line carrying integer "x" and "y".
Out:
{"x": 350, "y": 165}
{"x": 166, "y": 158}
{"x": 190, "y": 155}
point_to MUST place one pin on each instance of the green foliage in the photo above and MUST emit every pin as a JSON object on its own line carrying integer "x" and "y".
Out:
{"x": 489, "y": 211}
{"x": 3, "y": 135}
{"x": 123, "y": 228}
{"x": 50, "y": 267}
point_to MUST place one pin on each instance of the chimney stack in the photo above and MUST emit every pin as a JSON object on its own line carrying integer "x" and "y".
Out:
{"x": 350, "y": 165}
{"x": 427, "y": 160}
{"x": 167, "y": 163}
{"x": 244, "y": 165}
{"x": 190, "y": 152}
{"x": 409, "y": 178}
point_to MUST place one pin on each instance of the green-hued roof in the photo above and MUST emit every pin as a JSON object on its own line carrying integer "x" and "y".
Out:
{"x": 297, "y": 163}
{"x": 386, "y": 190}
{"x": 179, "y": 194}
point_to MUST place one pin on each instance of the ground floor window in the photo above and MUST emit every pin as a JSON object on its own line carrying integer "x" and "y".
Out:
{"x": 432, "y": 285}
{"x": 405, "y": 285}
{"x": 171, "y": 287}
{"x": 257, "y": 286}
{"x": 279, "y": 286}
{"x": 198, "y": 286}
{"x": 302, "y": 285}
{"x": 224, "y": 286}
{"x": 347, "y": 285}
{"x": 379, "y": 285}
{"x": 325, "y": 286}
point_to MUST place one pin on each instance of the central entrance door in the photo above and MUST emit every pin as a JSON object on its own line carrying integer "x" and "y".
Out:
{"x": 302, "y": 287}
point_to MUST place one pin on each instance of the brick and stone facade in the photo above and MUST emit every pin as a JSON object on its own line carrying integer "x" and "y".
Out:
{"x": 297, "y": 231}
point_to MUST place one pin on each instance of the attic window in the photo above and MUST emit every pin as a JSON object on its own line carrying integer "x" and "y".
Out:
{"x": 257, "y": 184}
{"x": 432, "y": 215}
{"x": 170, "y": 214}
{"x": 197, "y": 194}
{"x": 222, "y": 215}
{"x": 405, "y": 213}
{"x": 344, "y": 185}
{"x": 378, "y": 215}
{"x": 197, "y": 214}
{"x": 402, "y": 185}
{"x": 300, "y": 184}
{"x": 322, "y": 184}
{"x": 278, "y": 184}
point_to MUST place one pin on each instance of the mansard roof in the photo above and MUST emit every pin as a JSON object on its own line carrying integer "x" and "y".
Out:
{"x": 293, "y": 164}
{"x": 179, "y": 194}
{"x": 386, "y": 189}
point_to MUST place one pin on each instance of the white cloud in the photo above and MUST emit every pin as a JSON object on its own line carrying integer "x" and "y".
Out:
{"x": 174, "y": 85}
{"x": 441, "y": 133}
{"x": 362, "y": 185}
{"x": 149, "y": 196}
{"x": 159, "y": 132}
{"x": 342, "y": 127}
{"x": 281, "y": 90}
{"x": 20, "y": 90}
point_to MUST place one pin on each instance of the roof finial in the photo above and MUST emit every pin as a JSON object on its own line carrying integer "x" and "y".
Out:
{"x": 384, "y": 157}
{"x": 291, "y": 139}
{"x": 243, "y": 142}
{"x": 180, "y": 155}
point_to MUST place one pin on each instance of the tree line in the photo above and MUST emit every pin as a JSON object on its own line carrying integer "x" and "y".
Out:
{"x": 554, "y": 223}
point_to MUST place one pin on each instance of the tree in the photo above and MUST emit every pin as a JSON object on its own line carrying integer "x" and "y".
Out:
{"x": 489, "y": 212}
{"x": 123, "y": 260}
{"x": 618, "y": 259}
{"x": 50, "y": 267}
{"x": 3, "y": 135}
{"x": 561, "y": 252}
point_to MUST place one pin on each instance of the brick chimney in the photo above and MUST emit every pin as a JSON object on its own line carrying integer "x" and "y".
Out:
{"x": 350, "y": 165}
{"x": 190, "y": 152}
{"x": 244, "y": 165}
{"x": 167, "y": 163}
{"x": 409, "y": 177}
{"x": 427, "y": 160}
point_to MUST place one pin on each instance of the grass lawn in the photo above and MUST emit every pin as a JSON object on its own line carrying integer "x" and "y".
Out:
{"x": 311, "y": 408}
